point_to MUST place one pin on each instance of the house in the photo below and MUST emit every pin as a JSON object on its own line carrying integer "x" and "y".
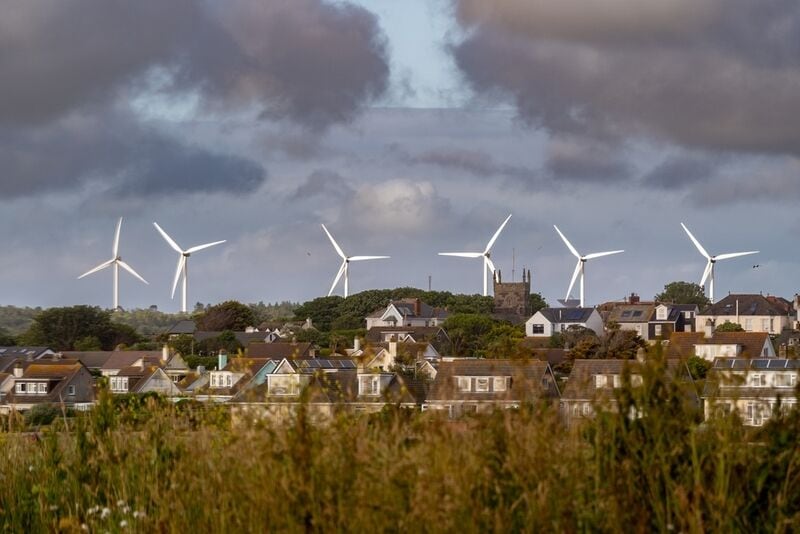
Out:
{"x": 122, "y": 359}
{"x": 66, "y": 383}
{"x": 752, "y": 388}
{"x": 669, "y": 318}
{"x": 592, "y": 383}
{"x": 548, "y": 321}
{"x": 635, "y": 316}
{"x": 280, "y": 350}
{"x": 185, "y": 327}
{"x": 143, "y": 379}
{"x": 9, "y": 355}
{"x": 407, "y": 312}
{"x": 388, "y": 355}
{"x": 754, "y": 313}
{"x": 233, "y": 376}
{"x": 482, "y": 385}
{"x": 435, "y": 335}
{"x": 710, "y": 344}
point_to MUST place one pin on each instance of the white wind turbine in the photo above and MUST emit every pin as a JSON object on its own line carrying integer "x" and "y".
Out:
{"x": 709, "y": 271}
{"x": 580, "y": 267}
{"x": 486, "y": 255}
{"x": 117, "y": 262}
{"x": 345, "y": 268}
{"x": 183, "y": 261}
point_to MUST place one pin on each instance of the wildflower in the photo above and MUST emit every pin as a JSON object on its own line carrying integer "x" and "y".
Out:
{"x": 138, "y": 514}
{"x": 123, "y": 524}
{"x": 85, "y": 527}
{"x": 120, "y": 503}
{"x": 93, "y": 510}
{"x": 53, "y": 507}
{"x": 30, "y": 468}
{"x": 105, "y": 513}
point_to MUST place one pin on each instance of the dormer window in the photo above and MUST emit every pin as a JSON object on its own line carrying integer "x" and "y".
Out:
{"x": 499, "y": 383}
{"x": 463, "y": 383}
{"x": 482, "y": 384}
{"x": 600, "y": 381}
{"x": 661, "y": 313}
{"x": 119, "y": 383}
{"x": 369, "y": 385}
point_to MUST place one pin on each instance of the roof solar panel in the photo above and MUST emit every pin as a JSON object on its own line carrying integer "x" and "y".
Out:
{"x": 348, "y": 364}
{"x": 760, "y": 364}
{"x": 720, "y": 364}
{"x": 793, "y": 364}
{"x": 738, "y": 364}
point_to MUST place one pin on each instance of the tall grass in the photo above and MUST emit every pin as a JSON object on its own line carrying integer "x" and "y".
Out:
{"x": 157, "y": 467}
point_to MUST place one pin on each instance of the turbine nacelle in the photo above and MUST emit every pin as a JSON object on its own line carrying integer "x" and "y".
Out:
{"x": 488, "y": 265}
{"x": 580, "y": 266}
{"x": 344, "y": 269}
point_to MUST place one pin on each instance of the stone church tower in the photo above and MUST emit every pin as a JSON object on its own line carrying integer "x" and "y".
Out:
{"x": 512, "y": 299}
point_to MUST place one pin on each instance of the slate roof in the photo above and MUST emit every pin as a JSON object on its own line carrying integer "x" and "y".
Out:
{"x": 631, "y": 313}
{"x": 407, "y": 308}
{"x": 185, "y": 326}
{"x": 278, "y": 350}
{"x": 715, "y": 387}
{"x": 22, "y": 352}
{"x": 681, "y": 344}
{"x": 567, "y": 315}
{"x": 58, "y": 374}
{"x": 120, "y": 359}
{"x": 581, "y": 386}
{"x": 94, "y": 359}
{"x": 526, "y": 379}
{"x": 749, "y": 305}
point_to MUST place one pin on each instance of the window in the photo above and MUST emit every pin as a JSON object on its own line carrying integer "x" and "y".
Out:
{"x": 537, "y": 329}
{"x": 587, "y": 409}
{"x": 228, "y": 380}
{"x": 576, "y": 409}
{"x": 765, "y": 352}
{"x": 765, "y": 325}
{"x": 626, "y": 313}
{"x": 785, "y": 380}
{"x": 563, "y": 327}
{"x": 617, "y": 381}
{"x": 21, "y": 387}
{"x": 499, "y": 383}
{"x": 282, "y": 385}
{"x": 600, "y": 381}
{"x": 658, "y": 332}
{"x": 71, "y": 390}
{"x": 42, "y": 386}
{"x": 370, "y": 385}
{"x": 482, "y": 383}
{"x": 661, "y": 313}
{"x": 748, "y": 325}
{"x": 758, "y": 380}
{"x": 637, "y": 313}
{"x": 119, "y": 383}
{"x": 463, "y": 383}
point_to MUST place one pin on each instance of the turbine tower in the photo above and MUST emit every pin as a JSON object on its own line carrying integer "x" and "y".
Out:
{"x": 486, "y": 255}
{"x": 580, "y": 268}
{"x": 712, "y": 260}
{"x": 183, "y": 261}
{"x": 345, "y": 268}
{"x": 116, "y": 262}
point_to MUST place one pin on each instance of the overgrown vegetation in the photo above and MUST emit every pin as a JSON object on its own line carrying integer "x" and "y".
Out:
{"x": 147, "y": 465}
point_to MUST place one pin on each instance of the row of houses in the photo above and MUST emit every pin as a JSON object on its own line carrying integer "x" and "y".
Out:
{"x": 753, "y": 387}
{"x": 654, "y": 321}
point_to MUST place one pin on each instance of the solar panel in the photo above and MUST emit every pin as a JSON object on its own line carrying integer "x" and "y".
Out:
{"x": 760, "y": 364}
{"x": 637, "y": 313}
{"x": 793, "y": 364}
{"x": 720, "y": 364}
{"x": 348, "y": 364}
{"x": 738, "y": 364}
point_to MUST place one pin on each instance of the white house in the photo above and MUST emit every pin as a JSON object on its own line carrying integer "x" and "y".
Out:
{"x": 754, "y": 313}
{"x": 405, "y": 313}
{"x": 549, "y": 321}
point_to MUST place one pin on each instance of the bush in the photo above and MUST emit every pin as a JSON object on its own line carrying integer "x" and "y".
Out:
{"x": 41, "y": 415}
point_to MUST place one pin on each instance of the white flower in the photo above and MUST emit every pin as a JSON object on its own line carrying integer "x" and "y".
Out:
{"x": 30, "y": 468}
{"x": 123, "y": 524}
{"x": 105, "y": 513}
{"x": 138, "y": 515}
{"x": 53, "y": 507}
{"x": 85, "y": 527}
{"x": 120, "y": 503}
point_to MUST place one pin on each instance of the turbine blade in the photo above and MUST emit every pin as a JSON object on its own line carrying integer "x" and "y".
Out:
{"x": 566, "y": 242}
{"x": 362, "y": 258}
{"x": 706, "y": 273}
{"x": 574, "y": 277}
{"x": 339, "y": 250}
{"x": 734, "y": 255}
{"x": 181, "y": 261}
{"x": 496, "y": 235}
{"x": 338, "y": 277}
{"x": 696, "y": 243}
{"x": 462, "y": 254}
{"x": 601, "y": 254}
{"x": 98, "y": 268}
{"x": 168, "y": 239}
{"x": 201, "y": 247}
{"x": 488, "y": 262}
{"x": 116, "y": 238}
{"x": 130, "y": 270}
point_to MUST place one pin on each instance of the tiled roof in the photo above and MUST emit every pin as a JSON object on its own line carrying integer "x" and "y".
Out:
{"x": 182, "y": 327}
{"x": 94, "y": 359}
{"x": 407, "y": 307}
{"x": 22, "y": 352}
{"x": 125, "y": 358}
{"x": 581, "y": 386}
{"x": 51, "y": 371}
{"x": 567, "y": 315}
{"x": 747, "y": 305}
{"x": 59, "y": 373}
{"x": 278, "y": 350}
{"x": 631, "y": 313}
{"x": 681, "y": 344}
{"x": 526, "y": 379}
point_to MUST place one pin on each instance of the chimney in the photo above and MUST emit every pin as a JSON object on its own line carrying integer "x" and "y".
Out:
{"x": 393, "y": 348}
{"x": 165, "y": 353}
{"x": 417, "y": 307}
{"x": 17, "y": 370}
{"x": 222, "y": 360}
{"x": 633, "y": 299}
{"x": 709, "y": 329}
{"x": 356, "y": 344}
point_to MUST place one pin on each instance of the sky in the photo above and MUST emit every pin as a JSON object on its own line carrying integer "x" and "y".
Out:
{"x": 407, "y": 128}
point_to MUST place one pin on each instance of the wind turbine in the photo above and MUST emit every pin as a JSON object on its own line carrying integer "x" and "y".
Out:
{"x": 345, "y": 268}
{"x": 581, "y": 265}
{"x": 486, "y": 255}
{"x": 116, "y": 262}
{"x": 709, "y": 271}
{"x": 183, "y": 261}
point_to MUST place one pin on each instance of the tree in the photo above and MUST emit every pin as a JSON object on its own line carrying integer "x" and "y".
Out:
{"x": 88, "y": 343}
{"x": 467, "y": 332}
{"x": 6, "y": 339}
{"x": 225, "y": 341}
{"x": 728, "y": 326}
{"x": 537, "y": 302}
{"x": 698, "y": 367}
{"x": 183, "y": 344}
{"x": 504, "y": 341}
{"x": 62, "y": 328}
{"x": 229, "y": 315}
{"x": 683, "y": 293}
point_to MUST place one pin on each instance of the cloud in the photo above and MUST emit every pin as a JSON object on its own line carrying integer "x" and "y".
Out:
{"x": 119, "y": 156}
{"x": 404, "y": 206}
{"x": 578, "y": 158}
{"x": 322, "y": 183}
{"x": 312, "y": 62}
{"x": 704, "y": 74}
{"x": 682, "y": 171}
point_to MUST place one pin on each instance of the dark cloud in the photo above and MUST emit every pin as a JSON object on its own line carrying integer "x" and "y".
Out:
{"x": 578, "y": 158}
{"x": 709, "y": 74}
{"x": 306, "y": 60}
{"x": 678, "y": 172}
{"x": 117, "y": 155}
{"x": 322, "y": 183}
